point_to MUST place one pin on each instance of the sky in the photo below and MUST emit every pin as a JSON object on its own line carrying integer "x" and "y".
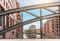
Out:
{"x": 33, "y": 2}
{"x": 27, "y": 16}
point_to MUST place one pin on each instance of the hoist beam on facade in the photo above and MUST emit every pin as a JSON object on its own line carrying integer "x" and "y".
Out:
{"x": 31, "y": 14}
{"x": 28, "y": 22}
{"x": 29, "y": 8}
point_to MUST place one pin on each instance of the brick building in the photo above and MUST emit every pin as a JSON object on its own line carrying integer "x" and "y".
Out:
{"x": 52, "y": 27}
{"x": 7, "y": 5}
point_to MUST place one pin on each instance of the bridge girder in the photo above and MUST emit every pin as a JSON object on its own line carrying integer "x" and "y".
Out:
{"x": 32, "y": 20}
{"x": 28, "y": 22}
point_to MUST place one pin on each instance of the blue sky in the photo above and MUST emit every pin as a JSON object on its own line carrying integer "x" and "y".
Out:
{"x": 27, "y": 16}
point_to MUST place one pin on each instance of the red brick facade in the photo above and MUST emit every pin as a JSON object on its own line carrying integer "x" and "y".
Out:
{"x": 51, "y": 27}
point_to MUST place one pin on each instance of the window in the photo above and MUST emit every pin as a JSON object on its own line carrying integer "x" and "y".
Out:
{"x": 57, "y": 30}
{"x": 1, "y": 0}
{"x": 56, "y": 26}
{"x": 13, "y": 32}
{"x": 6, "y": 5}
{"x": 10, "y": 22}
{"x": 52, "y": 23}
{"x": 4, "y": 2}
{"x": 10, "y": 3}
{"x": 18, "y": 30}
{"x": 53, "y": 28}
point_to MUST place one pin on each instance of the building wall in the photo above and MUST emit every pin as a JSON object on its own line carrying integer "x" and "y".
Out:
{"x": 7, "y": 5}
{"x": 51, "y": 27}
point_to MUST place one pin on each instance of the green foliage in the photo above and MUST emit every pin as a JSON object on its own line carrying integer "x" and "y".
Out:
{"x": 28, "y": 33}
{"x": 28, "y": 30}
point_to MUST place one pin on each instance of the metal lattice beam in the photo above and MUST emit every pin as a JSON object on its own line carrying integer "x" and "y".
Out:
{"x": 14, "y": 19}
{"x": 28, "y": 22}
{"x": 50, "y": 10}
{"x": 40, "y": 6}
{"x": 31, "y": 14}
{"x": 29, "y": 8}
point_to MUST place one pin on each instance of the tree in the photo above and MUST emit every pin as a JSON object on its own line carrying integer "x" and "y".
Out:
{"x": 28, "y": 33}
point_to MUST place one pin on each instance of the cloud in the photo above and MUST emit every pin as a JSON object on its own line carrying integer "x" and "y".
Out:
{"x": 44, "y": 21}
{"x": 32, "y": 2}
